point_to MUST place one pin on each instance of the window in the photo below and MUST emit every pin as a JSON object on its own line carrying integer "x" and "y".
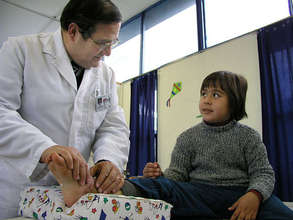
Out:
{"x": 170, "y": 33}
{"x": 170, "y": 30}
{"x": 125, "y": 58}
{"x": 228, "y": 19}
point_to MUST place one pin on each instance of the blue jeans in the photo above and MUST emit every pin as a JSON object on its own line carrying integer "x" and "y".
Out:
{"x": 202, "y": 200}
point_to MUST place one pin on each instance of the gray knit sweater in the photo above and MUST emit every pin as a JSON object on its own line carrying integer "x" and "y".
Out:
{"x": 229, "y": 155}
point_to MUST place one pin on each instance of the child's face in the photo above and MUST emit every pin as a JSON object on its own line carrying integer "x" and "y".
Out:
{"x": 214, "y": 105}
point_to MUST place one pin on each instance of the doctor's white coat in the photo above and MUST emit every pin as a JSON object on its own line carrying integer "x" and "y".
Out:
{"x": 40, "y": 106}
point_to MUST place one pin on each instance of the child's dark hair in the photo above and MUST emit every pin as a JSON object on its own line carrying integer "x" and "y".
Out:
{"x": 234, "y": 85}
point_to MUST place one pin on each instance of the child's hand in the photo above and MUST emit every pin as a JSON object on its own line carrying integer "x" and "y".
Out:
{"x": 152, "y": 170}
{"x": 246, "y": 208}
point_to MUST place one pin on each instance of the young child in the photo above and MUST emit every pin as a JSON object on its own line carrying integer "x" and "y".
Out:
{"x": 219, "y": 168}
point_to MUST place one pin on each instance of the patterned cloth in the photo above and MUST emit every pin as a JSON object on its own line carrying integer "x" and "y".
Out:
{"x": 47, "y": 203}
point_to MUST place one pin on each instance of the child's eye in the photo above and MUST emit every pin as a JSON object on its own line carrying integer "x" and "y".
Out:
{"x": 216, "y": 95}
{"x": 203, "y": 93}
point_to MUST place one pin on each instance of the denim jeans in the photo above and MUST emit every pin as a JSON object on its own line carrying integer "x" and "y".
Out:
{"x": 203, "y": 200}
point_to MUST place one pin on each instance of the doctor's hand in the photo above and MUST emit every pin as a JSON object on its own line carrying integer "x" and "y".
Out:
{"x": 73, "y": 159}
{"x": 109, "y": 179}
{"x": 152, "y": 170}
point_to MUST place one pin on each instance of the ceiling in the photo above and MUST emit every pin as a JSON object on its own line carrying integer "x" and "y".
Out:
{"x": 53, "y": 8}
{"x": 21, "y": 17}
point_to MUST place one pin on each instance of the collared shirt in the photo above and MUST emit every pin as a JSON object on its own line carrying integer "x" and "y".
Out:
{"x": 78, "y": 71}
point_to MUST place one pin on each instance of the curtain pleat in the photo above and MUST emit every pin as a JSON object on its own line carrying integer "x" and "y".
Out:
{"x": 275, "y": 44}
{"x": 142, "y": 119}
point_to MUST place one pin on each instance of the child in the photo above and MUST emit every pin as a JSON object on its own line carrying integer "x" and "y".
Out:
{"x": 219, "y": 168}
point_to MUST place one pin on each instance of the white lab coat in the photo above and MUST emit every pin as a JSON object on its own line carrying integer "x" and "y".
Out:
{"x": 40, "y": 106}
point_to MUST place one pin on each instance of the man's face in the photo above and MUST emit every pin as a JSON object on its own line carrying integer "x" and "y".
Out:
{"x": 88, "y": 53}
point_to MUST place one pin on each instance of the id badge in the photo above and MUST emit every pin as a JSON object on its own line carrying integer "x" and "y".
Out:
{"x": 103, "y": 102}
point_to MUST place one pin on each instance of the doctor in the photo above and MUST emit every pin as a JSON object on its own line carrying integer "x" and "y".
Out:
{"x": 57, "y": 95}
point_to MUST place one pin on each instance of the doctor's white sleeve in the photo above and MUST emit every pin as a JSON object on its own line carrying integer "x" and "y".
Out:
{"x": 112, "y": 138}
{"x": 21, "y": 143}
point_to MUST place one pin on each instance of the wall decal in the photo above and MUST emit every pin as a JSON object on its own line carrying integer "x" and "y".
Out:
{"x": 177, "y": 87}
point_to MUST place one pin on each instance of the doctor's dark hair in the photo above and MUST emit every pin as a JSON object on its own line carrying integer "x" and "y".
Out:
{"x": 88, "y": 13}
{"x": 234, "y": 85}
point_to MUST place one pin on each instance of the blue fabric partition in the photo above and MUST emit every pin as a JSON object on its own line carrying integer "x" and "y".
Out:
{"x": 275, "y": 44}
{"x": 142, "y": 119}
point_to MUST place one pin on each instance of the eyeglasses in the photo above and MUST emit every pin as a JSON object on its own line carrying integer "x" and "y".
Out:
{"x": 105, "y": 44}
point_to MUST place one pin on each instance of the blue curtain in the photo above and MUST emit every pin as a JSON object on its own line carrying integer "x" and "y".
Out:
{"x": 142, "y": 121}
{"x": 275, "y": 44}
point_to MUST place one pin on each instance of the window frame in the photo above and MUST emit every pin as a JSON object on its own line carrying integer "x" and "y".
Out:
{"x": 201, "y": 27}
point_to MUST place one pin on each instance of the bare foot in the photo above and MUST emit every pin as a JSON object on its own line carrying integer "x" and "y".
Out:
{"x": 71, "y": 189}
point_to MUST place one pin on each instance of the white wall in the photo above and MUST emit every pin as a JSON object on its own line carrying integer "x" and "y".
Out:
{"x": 124, "y": 95}
{"x": 239, "y": 55}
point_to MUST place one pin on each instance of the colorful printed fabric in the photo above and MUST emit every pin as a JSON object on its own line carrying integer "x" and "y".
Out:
{"x": 46, "y": 203}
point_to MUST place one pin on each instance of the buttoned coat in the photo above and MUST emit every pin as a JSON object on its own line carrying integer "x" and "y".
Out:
{"x": 40, "y": 106}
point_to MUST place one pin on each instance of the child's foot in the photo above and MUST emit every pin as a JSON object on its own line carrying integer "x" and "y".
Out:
{"x": 71, "y": 189}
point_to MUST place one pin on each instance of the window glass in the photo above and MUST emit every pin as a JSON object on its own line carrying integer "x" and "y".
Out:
{"x": 170, "y": 39}
{"x": 228, "y": 19}
{"x": 125, "y": 58}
